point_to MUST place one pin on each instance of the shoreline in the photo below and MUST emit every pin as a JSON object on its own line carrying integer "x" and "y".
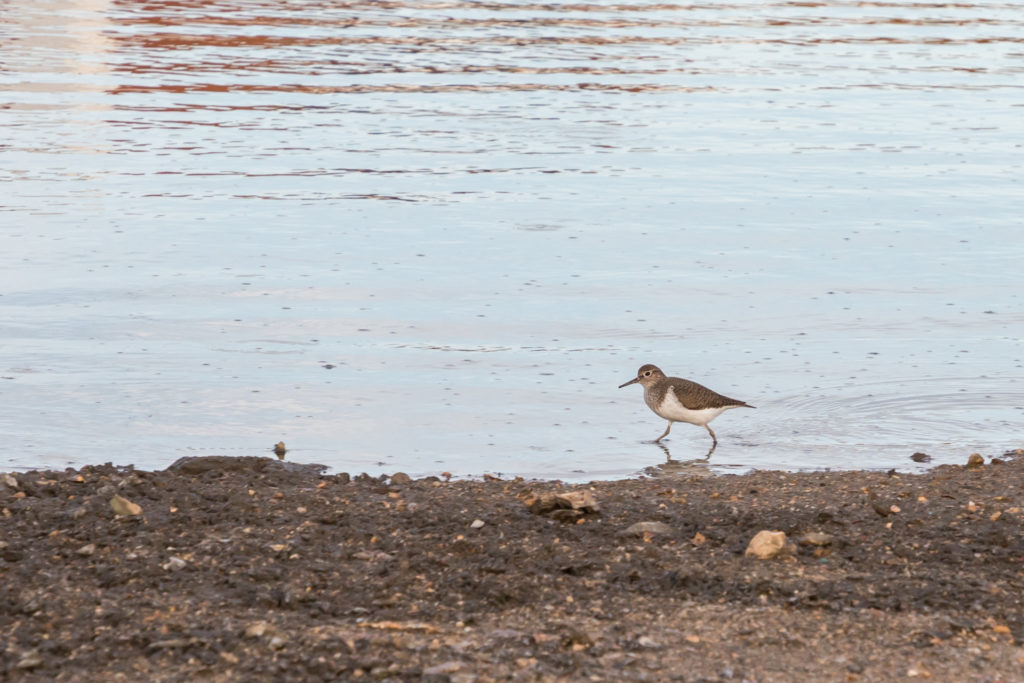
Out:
{"x": 250, "y": 568}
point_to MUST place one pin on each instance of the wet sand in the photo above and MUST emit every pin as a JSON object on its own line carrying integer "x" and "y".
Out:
{"x": 242, "y": 569}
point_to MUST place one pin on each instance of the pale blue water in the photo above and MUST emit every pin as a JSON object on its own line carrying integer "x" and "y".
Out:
{"x": 485, "y": 217}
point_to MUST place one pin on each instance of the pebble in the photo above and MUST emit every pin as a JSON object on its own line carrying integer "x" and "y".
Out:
{"x": 641, "y": 528}
{"x": 442, "y": 668}
{"x": 401, "y": 478}
{"x": 87, "y": 550}
{"x": 174, "y": 564}
{"x": 975, "y": 460}
{"x": 8, "y": 480}
{"x": 30, "y": 660}
{"x": 123, "y": 506}
{"x": 543, "y": 503}
{"x": 921, "y": 457}
{"x": 817, "y": 538}
{"x": 648, "y": 643}
{"x": 767, "y": 544}
{"x": 372, "y": 556}
{"x": 579, "y": 500}
{"x": 477, "y": 524}
{"x": 258, "y": 629}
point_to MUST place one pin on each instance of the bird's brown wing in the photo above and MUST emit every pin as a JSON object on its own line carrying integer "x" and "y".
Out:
{"x": 696, "y": 396}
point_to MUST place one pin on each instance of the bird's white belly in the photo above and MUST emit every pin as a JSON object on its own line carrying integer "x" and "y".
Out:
{"x": 672, "y": 409}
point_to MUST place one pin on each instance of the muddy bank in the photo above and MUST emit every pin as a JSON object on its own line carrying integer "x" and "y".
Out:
{"x": 248, "y": 569}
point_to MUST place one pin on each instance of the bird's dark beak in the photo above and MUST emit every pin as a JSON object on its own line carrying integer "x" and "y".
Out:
{"x": 632, "y": 381}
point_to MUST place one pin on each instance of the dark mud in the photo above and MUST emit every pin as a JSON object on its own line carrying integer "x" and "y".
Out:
{"x": 248, "y": 569}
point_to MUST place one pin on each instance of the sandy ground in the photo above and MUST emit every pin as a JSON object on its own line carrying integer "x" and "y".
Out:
{"x": 250, "y": 569}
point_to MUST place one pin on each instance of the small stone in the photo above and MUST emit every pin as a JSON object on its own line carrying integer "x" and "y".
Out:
{"x": 646, "y": 528}
{"x": 766, "y": 544}
{"x": 258, "y": 629}
{"x": 170, "y": 643}
{"x": 576, "y": 639}
{"x": 401, "y": 478}
{"x": 648, "y": 643}
{"x": 477, "y": 524}
{"x": 372, "y": 556}
{"x": 921, "y": 457}
{"x": 816, "y": 538}
{"x": 579, "y": 500}
{"x": 975, "y": 460}
{"x": 86, "y": 550}
{"x": 173, "y": 564}
{"x": 29, "y": 660}
{"x": 442, "y": 669}
{"x": 123, "y": 506}
{"x": 8, "y": 480}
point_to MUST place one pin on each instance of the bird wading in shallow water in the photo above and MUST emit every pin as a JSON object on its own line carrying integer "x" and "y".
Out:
{"x": 680, "y": 400}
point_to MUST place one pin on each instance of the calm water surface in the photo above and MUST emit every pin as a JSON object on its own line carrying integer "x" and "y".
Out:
{"x": 436, "y": 236}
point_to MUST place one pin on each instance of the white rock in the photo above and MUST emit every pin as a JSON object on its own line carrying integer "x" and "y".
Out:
{"x": 767, "y": 544}
{"x": 442, "y": 668}
{"x": 174, "y": 564}
{"x": 648, "y": 642}
{"x": 642, "y": 528}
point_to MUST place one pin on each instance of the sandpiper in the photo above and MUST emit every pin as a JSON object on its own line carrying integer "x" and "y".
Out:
{"x": 680, "y": 400}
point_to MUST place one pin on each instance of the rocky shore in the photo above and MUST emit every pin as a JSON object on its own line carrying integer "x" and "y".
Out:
{"x": 253, "y": 569}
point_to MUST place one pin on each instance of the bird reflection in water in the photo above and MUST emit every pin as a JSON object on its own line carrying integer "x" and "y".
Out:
{"x": 694, "y": 466}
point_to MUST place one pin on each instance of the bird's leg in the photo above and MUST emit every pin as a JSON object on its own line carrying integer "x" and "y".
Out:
{"x": 714, "y": 439}
{"x": 666, "y": 432}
